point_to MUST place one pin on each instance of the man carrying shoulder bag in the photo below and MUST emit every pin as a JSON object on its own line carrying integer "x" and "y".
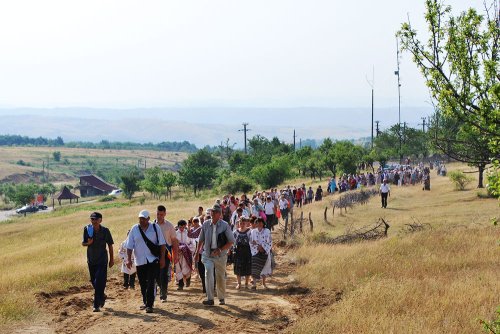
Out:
{"x": 148, "y": 243}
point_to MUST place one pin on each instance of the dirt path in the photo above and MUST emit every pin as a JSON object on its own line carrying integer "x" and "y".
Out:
{"x": 245, "y": 311}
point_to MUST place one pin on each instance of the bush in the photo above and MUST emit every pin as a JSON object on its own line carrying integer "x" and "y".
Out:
{"x": 237, "y": 183}
{"x": 459, "y": 179}
{"x": 107, "y": 198}
{"x": 271, "y": 174}
{"x": 493, "y": 186}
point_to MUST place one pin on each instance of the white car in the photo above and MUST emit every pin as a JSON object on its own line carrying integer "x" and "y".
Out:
{"x": 116, "y": 192}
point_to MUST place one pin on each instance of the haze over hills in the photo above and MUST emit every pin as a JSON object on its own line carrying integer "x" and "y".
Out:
{"x": 200, "y": 126}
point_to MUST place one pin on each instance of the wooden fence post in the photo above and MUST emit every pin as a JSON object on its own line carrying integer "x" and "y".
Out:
{"x": 311, "y": 222}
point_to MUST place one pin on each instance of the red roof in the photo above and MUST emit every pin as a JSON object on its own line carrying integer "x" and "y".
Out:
{"x": 97, "y": 182}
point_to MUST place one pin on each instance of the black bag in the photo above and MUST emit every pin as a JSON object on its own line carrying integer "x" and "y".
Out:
{"x": 153, "y": 248}
{"x": 221, "y": 239}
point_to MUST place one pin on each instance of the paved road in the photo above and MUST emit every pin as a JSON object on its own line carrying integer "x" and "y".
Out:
{"x": 4, "y": 215}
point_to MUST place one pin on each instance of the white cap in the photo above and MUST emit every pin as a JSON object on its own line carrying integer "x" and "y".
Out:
{"x": 144, "y": 214}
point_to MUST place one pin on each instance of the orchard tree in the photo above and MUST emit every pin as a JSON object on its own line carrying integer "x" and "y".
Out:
{"x": 199, "y": 170}
{"x": 460, "y": 63}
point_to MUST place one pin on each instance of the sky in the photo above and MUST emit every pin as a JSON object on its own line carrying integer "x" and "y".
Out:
{"x": 157, "y": 54}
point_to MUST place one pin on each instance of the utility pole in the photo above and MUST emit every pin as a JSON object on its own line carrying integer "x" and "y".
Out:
{"x": 399, "y": 101}
{"x": 423, "y": 123}
{"x": 372, "y": 85}
{"x": 294, "y": 136}
{"x": 378, "y": 132}
{"x": 245, "y": 134}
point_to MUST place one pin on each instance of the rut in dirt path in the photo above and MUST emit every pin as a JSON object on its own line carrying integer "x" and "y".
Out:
{"x": 246, "y": 311}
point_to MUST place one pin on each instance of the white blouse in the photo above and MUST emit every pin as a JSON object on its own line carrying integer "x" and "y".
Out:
{"x": 262, "y": 238}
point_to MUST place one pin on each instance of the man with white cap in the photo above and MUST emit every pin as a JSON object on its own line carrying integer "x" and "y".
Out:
{"x": 148, "y": 243}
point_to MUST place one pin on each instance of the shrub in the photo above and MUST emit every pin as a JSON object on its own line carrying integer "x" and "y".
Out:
{"x": 493, "y": 186}
{"x": 237, "y": 183}
{"x": 459, "y": 179}
{"x": 107, "y": 198}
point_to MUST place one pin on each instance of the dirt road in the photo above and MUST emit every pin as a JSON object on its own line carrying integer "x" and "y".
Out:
{"x": 246, "y": 311}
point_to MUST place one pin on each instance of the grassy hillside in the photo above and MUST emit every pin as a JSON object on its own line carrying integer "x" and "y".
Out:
{"x": 75, "y": 160}
{"x": 440, "y": 280}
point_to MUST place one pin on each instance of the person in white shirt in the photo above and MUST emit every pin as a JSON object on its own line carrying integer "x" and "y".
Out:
{"x": 184, "y": 266}
{"x": 384, "y": 191}
{"x": 147, "y": 242}
{"x": 260, "y": 247}
{"x": 128, "y": 274}
{"x": 283, "y": 204}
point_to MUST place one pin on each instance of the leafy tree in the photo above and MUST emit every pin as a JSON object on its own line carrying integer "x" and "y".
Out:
{"x": 271, "y": 174}
{"x": 22, "y": 194}
{"x": 460, "y": 63}
{"x": 130, "y": 182}
{"x": 237, "y": 183}
{"x": 199, "y": 170}
{"x": 152, "y": 181}
{"x": 461, "y": 142}
{"x": 168, "y": 180}
{"x": 56, "y": 155}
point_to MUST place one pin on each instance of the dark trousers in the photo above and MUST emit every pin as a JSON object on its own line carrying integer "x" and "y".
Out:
{"x": 147, "y": 274}
{"x": 201, "y": 272}
{"x": 129, "y": 280}
{"x": 164, "y": 278}
{"x": 384, "y": 199}
{"x": 270, "y": 222}
{"x": 98, "y": 276}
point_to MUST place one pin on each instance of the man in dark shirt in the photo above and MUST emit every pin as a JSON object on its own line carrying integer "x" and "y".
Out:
{"x": 95, "y": 238}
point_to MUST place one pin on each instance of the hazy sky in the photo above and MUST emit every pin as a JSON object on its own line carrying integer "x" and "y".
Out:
{"x": 159, "y": 53}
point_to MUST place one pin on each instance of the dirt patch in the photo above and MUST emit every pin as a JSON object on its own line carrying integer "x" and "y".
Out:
{"x": 246, "y": 311}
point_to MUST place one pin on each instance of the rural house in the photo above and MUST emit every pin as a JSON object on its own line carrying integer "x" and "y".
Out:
{"x": 92, "y": 185}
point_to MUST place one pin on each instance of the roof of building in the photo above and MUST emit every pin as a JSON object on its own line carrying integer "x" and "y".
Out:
{"x": 97, "y": 182}
{"x": 65, "y": 193}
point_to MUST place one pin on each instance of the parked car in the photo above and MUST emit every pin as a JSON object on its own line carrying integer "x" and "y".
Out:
{"x": 116, "y": 192}
{"x": 42, "y": 207}
{"x": 27, "y": 209}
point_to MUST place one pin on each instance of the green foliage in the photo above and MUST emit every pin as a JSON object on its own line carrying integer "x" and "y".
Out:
{"x": 57, "y": 155}
{"x": 199, "y": 170}
{"x": 22, "y": 163}
{"x": 168, "y": 180}
{"x": 130, "y": 182}
{"x": 237, "y": 183}
{"x": 459, "y": 179}
{"x": 493, "y": 186}
{"x": 460, "y": 63}
{"x": 22, "y": 194}
{"x": 107, "y": 198}
{"x": 271, "y": 174}
{"x": 158, "y": 182}
{"x": 494, "y": 325}
{"x": 16, "y": 140}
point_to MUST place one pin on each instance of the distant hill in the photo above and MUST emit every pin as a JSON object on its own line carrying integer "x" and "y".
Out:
{"x": 200, "y": 126}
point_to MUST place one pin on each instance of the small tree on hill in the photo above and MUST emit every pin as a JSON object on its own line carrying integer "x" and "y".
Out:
{"x": 130, "y": 183}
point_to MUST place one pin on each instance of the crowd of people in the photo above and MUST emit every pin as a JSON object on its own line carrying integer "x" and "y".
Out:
{"x": 235, "y": 230}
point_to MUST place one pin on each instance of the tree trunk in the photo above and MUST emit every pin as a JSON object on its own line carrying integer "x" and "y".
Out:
{"x": 481, "y": 172}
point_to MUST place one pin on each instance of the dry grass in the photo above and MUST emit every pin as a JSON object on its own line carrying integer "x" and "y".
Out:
{"x": 78, "y": 158}
{"x": 437, "y": 281}
{"x": 44, "y": 252}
